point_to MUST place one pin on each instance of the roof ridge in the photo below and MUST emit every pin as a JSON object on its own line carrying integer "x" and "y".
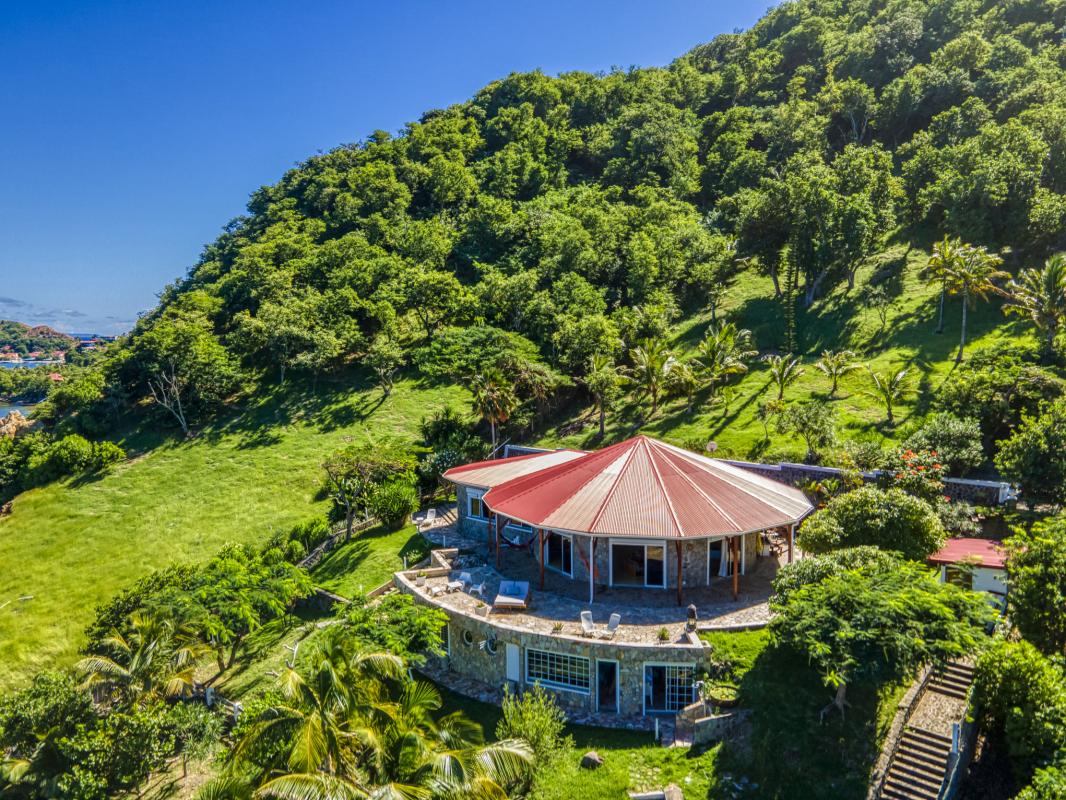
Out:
{"x": 614, "y": 487}
{"x": 662, "y": 488}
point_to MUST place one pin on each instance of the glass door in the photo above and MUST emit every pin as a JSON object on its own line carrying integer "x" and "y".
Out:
{"x": 667, "y": 688}
{"x": 607, "y": 686}
{"x": 655, "y": 565}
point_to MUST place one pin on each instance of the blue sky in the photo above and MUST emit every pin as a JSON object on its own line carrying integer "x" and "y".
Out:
{"x": 133, "y": 131}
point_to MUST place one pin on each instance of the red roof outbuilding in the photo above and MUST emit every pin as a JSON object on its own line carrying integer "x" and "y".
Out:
{"x": 979, "y": 552}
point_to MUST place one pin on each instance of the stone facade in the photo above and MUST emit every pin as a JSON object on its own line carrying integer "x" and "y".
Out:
{"x": 693, "y": 554}
{"x": 478, "y": 648}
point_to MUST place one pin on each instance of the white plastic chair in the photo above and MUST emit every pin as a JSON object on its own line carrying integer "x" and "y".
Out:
{"x": 612, "y": 626}
{"x": 478, "y": 589}
{"x": 588, "y": 627}
{"x": 428, "y": 519}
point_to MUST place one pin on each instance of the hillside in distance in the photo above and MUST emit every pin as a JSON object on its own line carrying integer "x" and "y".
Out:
{"x": 17, "y": 337}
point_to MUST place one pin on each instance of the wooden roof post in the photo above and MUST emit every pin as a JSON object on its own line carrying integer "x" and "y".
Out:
{"x": 540, "y": 535}
{"x": 736, "y": 566}
{"x": 679, "y": 572}
{"x": 498, "y": 521}
{"x": 791, "y": 538}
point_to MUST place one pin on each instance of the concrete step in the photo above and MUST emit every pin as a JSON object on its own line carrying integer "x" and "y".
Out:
{"x": 934, "y": 739}
{"x": 919, "y": 774}
{"x": 920, "y": 750}
{"x": 919, "y": 760}
{"x": 902, "y": 788}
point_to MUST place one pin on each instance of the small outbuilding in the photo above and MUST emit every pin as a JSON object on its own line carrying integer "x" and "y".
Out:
{"x": 978, "y": 564}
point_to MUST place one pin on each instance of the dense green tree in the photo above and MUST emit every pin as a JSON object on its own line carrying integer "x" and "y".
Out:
{"x": 891, "y": 520}
{"x": 878, "y": 624}
{"x": 724, "y": 351}
{"x": 814, "y": 422}
{"x": 955, "y": 442}
{"x": 653, "y": 361}
{"x": 604, "y": 382}
{"x": 1034, "y": 456}
{"x": 494, "y": 400}
{"x": 973, "y": 278}
{"x": 1036, "y": 576}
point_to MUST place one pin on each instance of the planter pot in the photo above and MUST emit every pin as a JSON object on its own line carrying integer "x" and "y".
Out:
{"x": 420, "y": 580}
{"x": 726, "y": 697}
{"x": 482, "y": 612}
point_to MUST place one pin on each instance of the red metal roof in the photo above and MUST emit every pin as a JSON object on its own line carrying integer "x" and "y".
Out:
{"x": 486, "y": 474}
{"x": 980, "y": 552}
{"x": 647, "y": 488}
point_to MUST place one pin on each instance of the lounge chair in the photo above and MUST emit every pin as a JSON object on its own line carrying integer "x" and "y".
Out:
{"x": 465, "y": 579}
{"x": 588, "y": 627}
{"x": 428, "y": 519}
{"x": 612, "y": 626}
{"x": 512, "y": 594}
{"x": 478, "y": 589}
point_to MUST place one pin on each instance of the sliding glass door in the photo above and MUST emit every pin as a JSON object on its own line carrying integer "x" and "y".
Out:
{"x": 638, "y": 564}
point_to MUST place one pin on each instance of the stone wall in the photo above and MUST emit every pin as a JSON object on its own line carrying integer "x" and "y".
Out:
{"x": 982, "y": 493}
{"x": 478, "y": 646}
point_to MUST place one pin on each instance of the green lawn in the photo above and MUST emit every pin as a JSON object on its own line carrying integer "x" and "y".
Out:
{"x": 841, "y": 322}
{"x": 632, "y": 760}
{"x": 369, "y": 560}
{"x": 71, "y": 546}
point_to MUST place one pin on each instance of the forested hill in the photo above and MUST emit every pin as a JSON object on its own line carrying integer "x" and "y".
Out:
{"x": 550, "y": 220}
{"x": 19, "y": 338}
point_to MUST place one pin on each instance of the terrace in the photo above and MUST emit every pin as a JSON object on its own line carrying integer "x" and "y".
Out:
{"x": 556, "y": 610}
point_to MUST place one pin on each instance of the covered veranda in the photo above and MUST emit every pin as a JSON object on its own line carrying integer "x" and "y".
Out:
{"x": 638, "y": 516}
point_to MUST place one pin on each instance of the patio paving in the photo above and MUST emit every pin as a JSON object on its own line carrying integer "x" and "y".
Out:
{"x": 557, "y": 608}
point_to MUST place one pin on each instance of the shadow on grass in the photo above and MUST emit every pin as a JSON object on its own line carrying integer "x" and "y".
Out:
{"x": 790, "y": 753}
{"x": 347, "y": 559}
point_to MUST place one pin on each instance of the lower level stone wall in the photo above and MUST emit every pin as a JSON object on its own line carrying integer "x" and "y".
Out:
{"x": 488, "y": 664}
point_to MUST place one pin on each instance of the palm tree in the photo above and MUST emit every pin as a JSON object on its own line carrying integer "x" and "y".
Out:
{"x": 356, "y": 726}
{"x": 1040, "y": 294}
{"x": 652, "y": 364}
{"x": 724, "y": 351}
{"x": 947, "y": 255}
{"x": 836, "y": 365}
{"x": 604, "y": 383}
{"x": 155, "y": 658}
{"x": 784, "y": 372}
{"x": 889, "y": 388}
{"x": 494, "y": 400}
{"x": 974, "y": 279}
{"x": 682, "y": 382}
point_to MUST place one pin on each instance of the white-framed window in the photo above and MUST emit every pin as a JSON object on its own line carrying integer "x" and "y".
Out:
{"x": 558, "y": 670}
{"x": 668, "y": 687}
{"x": 559, "y": 552}
{"x": 475, "y": 505}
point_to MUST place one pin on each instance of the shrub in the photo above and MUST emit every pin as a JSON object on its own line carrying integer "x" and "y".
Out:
{"x": 918, "y": 473}
{"x": 1036, "y": 567}
{"x": 816, "y": 568}
{"x": 1022, "y": 694}
{"x": 53, "y": 702}
{"x": 536, "y": 718}
{"x": 891, "y": 520}
{"x": 1035, "y": 455}
{"x": 393, "y": 502}
{"x": 396, "y": 624}
{"x": 956, "y": 442}
{"x": 1048, "y": 783}
{"x": 105, "y": 454}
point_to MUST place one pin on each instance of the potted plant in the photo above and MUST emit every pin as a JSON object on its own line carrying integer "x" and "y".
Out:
{"x": 420, "y": 578}
{"x": 557, "y": 627}
{"x": 664, "y": 635}
{"x": 722, "y": 695}
{"x": 481, "y": 609}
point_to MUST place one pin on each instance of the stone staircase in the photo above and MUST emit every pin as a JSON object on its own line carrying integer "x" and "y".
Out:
{"x": 922, "y": 757}
{"x": 918, "y": 766}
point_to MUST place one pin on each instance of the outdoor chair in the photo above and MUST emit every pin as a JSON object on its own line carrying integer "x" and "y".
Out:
{"x": 612, "y": 626}
{"x": 435, "y": 591}
{"x": 588, "y": 627}
{"x": 428, "y": 519}
{"x": 478, "y": 589}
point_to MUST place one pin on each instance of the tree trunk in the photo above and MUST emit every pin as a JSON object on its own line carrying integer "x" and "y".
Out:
{"x": 492, "y": 432}
{"x": 839, "y": 703}
{"x": 233, "y": 651}
{"x": 603, "y": 420}
{"x": 962, "y": 339}
{"x": 940, "y": 321}
{"x": 888, "y": 407}
{"x": 349, "y": 518}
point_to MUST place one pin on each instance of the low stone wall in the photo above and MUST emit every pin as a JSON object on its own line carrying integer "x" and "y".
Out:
{"x": 716, "y": 727}
{"x": 477, "y": 648}
{"x": 982, "y": 493}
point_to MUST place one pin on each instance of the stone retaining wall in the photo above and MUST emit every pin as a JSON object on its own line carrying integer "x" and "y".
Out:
{"x": 477, "y": 648}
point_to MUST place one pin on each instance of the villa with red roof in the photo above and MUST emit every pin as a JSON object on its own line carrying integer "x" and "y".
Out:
{"x": 978, "y": 564}
{"x": 590, "y": 573}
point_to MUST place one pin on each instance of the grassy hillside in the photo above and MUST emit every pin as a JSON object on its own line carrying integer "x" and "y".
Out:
{"x": 844, "y": 322}
{"x": 71, "y": 546}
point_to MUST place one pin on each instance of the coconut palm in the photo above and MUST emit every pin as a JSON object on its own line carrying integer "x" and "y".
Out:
{"x": 494, "y": 400}
{"x": 724, "y": 351}
{"x": 890, "y": 388}
{"x": 653, "y": 362}
{"x": 836, "y": 365}
{"x": 682, "y": 382}
{"x": 784, "y": 372}
{"x": 947, "y": 255}
{"x": 604, "y": 382}
{"x": 154, "y": 658}
{"x": 356, "y": 726}
{"x": 974, "y": 278}
{"x": 1040, "y": 295}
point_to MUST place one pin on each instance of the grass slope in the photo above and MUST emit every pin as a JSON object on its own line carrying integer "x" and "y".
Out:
{"x": 71, "y": 546}
{"x": 842, "y": 321}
